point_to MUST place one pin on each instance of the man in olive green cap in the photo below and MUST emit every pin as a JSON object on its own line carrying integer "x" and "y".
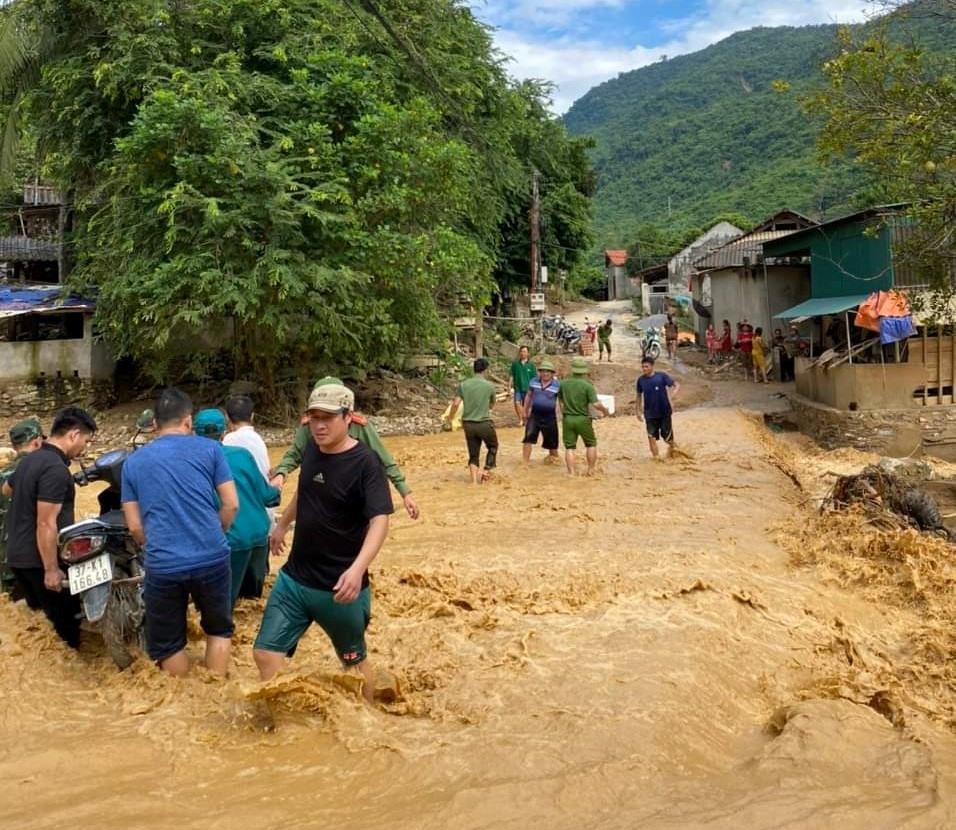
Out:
{"x": 361, "y": 430}
{"x": 576, "y": 396}
{"x": 541, "y": 412}
{"x": 26, "y": 436}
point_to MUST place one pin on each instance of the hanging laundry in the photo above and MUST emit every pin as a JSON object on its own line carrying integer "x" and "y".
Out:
{"x": 893, "y": 329}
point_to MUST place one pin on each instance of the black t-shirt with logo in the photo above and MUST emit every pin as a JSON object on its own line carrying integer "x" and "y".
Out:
{"x": 43, "y": 475}
{"x": 338, "y": 495}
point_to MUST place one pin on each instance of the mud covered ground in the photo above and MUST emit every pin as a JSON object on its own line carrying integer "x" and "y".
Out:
{"x": 668, "y": 645}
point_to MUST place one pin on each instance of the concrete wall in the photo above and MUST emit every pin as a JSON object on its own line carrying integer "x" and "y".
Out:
{"x": 868, "y": 386}
{"x": 741, "y": 292}
{"x": 80, "y": 358}
{"x": 894, "y": 432}
{"x": 619, "y": 285}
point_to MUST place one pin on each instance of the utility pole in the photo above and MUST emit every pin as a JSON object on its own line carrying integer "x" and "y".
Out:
{"x": 535, "y": 230}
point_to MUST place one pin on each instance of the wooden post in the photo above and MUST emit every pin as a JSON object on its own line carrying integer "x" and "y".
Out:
{"x": 479, "y": 334}
{"x": 939, "y": 364}
{"x": 60, "y": 260}
{"x": 925, "y": 366}
{"x": 952, "y": 366}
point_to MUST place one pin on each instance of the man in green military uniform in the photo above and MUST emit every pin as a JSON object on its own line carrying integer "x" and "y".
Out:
{"x": 576, "y": 396}
{"x": 476, "y": 396}
{"x": 26, "y": 436}
{"x": 359, "y": 429}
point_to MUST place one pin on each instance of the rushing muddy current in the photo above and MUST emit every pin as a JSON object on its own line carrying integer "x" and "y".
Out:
{"x": 632, "y": 650}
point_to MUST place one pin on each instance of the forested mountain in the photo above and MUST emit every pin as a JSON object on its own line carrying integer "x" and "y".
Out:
{"x": 683, "y": 141}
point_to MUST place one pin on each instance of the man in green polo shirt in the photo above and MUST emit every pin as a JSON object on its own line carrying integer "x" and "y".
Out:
{"x": 522, "y": 371}
{"x": 577, "y": 396}
{"x": 476, "y": 396}
{"x": 26, "y": 436}
{"x": 363, "y": 432}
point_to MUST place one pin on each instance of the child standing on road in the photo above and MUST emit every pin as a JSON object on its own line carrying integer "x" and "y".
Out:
{"x": 711, "y": 337}
{"x": 759, "y": 355}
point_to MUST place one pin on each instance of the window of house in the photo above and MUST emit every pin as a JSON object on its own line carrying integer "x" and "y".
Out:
{"x": 32, "y": 327}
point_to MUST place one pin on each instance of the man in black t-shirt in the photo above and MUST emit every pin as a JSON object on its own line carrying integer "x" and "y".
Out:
{"x": 341, "y": 511}
{"x": 42, "y": 495}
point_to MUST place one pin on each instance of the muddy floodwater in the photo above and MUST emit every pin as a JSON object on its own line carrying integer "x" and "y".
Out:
{"x": 633, "y": 650}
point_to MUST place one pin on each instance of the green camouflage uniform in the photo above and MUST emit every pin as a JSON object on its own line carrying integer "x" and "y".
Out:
{"x": 21, "y": 433}
{"x": 361, "y": 431}
{"x": 6, "y": 575}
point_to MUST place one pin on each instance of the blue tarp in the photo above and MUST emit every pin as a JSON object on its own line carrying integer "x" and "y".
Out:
{"x": 38, "y": 298}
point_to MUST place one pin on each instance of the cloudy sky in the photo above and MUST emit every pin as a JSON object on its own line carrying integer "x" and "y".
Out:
{"x": 579, "y": 43}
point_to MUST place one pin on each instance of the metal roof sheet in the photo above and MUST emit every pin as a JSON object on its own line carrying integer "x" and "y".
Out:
{"x": 732, "y": 254}
{"x": 819, "y": 306}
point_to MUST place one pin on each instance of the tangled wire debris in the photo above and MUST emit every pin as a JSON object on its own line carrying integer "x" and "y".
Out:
{"x": 888, "y": 500}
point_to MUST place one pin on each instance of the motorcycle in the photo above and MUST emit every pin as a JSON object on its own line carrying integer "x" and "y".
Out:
{"x": 651, "y": 344}
{"x": 104, "y": 564}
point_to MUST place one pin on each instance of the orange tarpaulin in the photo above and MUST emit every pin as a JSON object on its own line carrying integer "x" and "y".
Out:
{"x": 881, "y": 304}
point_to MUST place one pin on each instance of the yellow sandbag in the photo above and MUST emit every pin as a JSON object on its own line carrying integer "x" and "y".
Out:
{"x": 454, "y": 423}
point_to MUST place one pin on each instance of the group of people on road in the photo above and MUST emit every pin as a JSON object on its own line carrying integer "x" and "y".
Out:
{"x": 542, "y": 402}
{"x": 198, "y": 499}
{"x": 756, "y": 353}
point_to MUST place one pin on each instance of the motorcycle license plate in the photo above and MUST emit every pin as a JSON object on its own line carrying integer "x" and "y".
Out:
{"x": 89, "y": 574}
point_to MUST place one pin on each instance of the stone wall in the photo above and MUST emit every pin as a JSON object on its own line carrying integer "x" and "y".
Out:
{"x": 42, "y": 396}
{"x": 896, "y": 432}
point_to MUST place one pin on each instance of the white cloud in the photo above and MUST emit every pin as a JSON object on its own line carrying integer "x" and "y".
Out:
{"x": 575, "y": 64}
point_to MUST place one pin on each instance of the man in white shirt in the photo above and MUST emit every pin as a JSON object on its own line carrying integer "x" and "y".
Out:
{"x": 239, "y": 412}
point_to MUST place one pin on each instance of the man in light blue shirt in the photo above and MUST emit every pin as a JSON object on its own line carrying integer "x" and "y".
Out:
{"x": 179, "y": 500}
{"x": 541, "y": 413}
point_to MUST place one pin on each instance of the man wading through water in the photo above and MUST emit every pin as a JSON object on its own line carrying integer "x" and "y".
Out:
{"x": 341, "y": 511}
{"x": 43, "y": 496}
{"x": 476, "y": 396}
{"x": 25, "y": 437}
{"x": 363, "y": 432}
{"x": 654, "y": 404}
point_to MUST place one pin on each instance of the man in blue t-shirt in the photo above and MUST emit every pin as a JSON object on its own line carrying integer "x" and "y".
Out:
{"x": 541, "y": 413}
{"x": 654, "y": 403}
{"x": 179, "y": 500}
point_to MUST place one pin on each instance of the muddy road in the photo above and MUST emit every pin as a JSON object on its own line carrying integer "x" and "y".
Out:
{"x": 632, "y": 650}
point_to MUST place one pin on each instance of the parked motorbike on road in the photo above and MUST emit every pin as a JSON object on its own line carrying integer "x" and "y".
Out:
{"x": 651, "y": 344}
{"x": 104, "y": 564}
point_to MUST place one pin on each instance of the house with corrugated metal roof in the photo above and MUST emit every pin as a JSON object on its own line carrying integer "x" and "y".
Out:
{"x": 735, "y": 281}
{"x": 46, "y": 333}
{"x": 31, "y": 237}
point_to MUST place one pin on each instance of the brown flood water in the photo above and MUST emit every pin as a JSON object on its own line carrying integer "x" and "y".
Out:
{"x": 628, "y": 651}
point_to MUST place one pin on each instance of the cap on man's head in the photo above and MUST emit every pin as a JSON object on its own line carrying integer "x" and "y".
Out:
{"x": 546, "y": 366}
{"x": 331, "y": 397}
{"x": 579, "y": 366}
{"x": 25, "y": 431}
{"x": 328, "y": 380}
{"x": 210, "y": 423}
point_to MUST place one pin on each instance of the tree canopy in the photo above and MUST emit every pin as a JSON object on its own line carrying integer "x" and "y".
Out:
{"x": 333, "y": 178}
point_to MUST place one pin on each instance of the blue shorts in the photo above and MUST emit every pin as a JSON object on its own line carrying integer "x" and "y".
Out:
{"x": 166, "y": 597}
{"x": 520, "y": 396}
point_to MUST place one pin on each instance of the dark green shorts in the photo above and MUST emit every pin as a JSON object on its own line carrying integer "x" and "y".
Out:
{"x": 293, "y": 607}
{"x": 578, "y": 426}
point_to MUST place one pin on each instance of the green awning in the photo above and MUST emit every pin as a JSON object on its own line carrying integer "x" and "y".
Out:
{"x": 818, "y": 306}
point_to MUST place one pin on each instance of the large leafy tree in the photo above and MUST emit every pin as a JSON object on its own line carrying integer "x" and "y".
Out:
{"x": 330, "y": 179}
{"x": 891, "y": 105}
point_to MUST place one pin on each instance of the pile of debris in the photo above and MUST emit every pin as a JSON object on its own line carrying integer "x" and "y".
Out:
{"x": 890, "y": 500}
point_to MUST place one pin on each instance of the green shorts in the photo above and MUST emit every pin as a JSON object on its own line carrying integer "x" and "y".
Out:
{"x": 578, "y": 426}
{"x": 293, "y": 607}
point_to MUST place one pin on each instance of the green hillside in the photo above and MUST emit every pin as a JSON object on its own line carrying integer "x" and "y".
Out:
{"x": 708, "y": 133}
